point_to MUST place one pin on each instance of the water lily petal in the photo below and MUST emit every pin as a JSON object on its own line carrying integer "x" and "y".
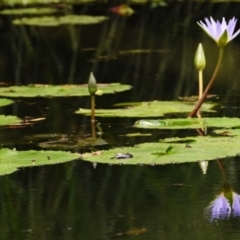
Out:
{"x": 215, "y": 29}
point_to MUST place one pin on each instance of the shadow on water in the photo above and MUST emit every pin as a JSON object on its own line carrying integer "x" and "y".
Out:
{"x": 78, "y": 200}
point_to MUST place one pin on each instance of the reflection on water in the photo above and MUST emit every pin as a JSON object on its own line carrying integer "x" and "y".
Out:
{"x": 152, "y": 50}
{"x": 227, "y": 203}
{"x": 76, "y": 201}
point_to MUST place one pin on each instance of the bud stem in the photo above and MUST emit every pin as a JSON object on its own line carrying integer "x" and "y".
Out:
{"x": 204, "y": 95}
{"x": 93, "y": 108}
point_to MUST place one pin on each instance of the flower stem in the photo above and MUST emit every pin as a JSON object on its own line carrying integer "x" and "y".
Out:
{"x": 200, "y": 83}
{"x": 93, "y": 108}
{"x": 200, "y": 89}
{"x": 216, "y": 71}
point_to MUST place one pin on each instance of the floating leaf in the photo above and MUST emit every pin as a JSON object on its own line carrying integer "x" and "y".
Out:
{"x": 203, "y": 148}
{"x": 5, "y": 102}
{"x": 122, "y": 10}
{"x": 53, "y": 21}
{"x": 184, "y": 123}
{"x": 11, "y": 160}
{"x": 148, "y": 109}
{"x": 25, "y": 11}
{"x": 8, "y": 120}
{"x": 42, "y": 90}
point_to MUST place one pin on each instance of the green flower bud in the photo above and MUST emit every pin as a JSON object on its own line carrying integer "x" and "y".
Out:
{"x": 92, "y": 84}
{"x": 223, "y": 40}
{"x": 199, "y": 59}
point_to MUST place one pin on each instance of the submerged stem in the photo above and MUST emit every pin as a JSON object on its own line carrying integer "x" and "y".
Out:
{"x": 222, "y": 170}
{"x": 216, "y": 71}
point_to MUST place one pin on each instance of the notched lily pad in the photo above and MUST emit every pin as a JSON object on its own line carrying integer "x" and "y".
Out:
{"x": 53, "y": 21}
{"x": 8, "y": 120}
{"x": 5, "y": 102}
{"x": 185, "y": 123}
{"x": 42, "y": 90}
{"x": 169, "y": 151}
{"x": 11, "y": 160}
{"x": 149, "y": 109}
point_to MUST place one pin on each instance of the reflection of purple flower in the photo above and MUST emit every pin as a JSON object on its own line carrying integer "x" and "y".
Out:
{"x": 216, "y": 30}
{"x": 222, "y": 208}
{"x": 236, "y": 205}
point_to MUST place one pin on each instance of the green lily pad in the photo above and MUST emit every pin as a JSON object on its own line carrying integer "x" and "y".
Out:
{"x": 40, "y": 90}
{"x": 8, "y": 120}
{"x": 11, "y": 160}
{"x": 53, "y": 21}
{"x": 148, "y": 109}
{"x": 196, "y": 149}
{"x": 25, "y": 11}
{"x": 185, "y": 123}
{"x": 5, "y": 102}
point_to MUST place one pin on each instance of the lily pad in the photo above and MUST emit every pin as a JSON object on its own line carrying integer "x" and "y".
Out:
{"x": 11, "y": 160}
{"x": 171, "y": 151}
{"x": 25, "y": 11}
{"x": 53, "y": 21}
{"x": 8, "y": 120}
{"x": 186, "y": 123}
{"x": 41, "y": 90}
{"x": 148, "y": 109}
{"x": 5, "y": 102}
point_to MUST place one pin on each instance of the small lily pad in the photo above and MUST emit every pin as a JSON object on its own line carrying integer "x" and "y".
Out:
{"x": 11, "y": 160}
{"x": 171, "y": 151}
{"x": 26, "y": 11}
{"x": 5, "y": 102}
{"x": 42, "y": 90}
{"x": 53, "y": 21}
{"x": 149, "y": 109}
{"x": 186, "y": 123}
{"x": 8, "y": 120}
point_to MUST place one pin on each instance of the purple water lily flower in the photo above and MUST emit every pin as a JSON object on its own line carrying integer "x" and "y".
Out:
{"x": 221, "y": 33}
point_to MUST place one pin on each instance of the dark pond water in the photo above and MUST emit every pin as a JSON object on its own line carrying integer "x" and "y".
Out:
{"x": 76, "y": 200}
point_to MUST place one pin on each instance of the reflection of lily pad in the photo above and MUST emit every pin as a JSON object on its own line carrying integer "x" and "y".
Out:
{"x": 11, "y": 160}
{"x": 149, "y": 109}
{"x": 52, "y": 21}
{"x": 62, "y": 142}
{"x": 184, "y": 123}
{"x": 5, "y": 102}
{"x": 203, "y": 148}
{"x": 40, "y": 90}
{"x": 8, "y": 120}
{"x": 24, "y": 11}
{"x": 72, "y": 144}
